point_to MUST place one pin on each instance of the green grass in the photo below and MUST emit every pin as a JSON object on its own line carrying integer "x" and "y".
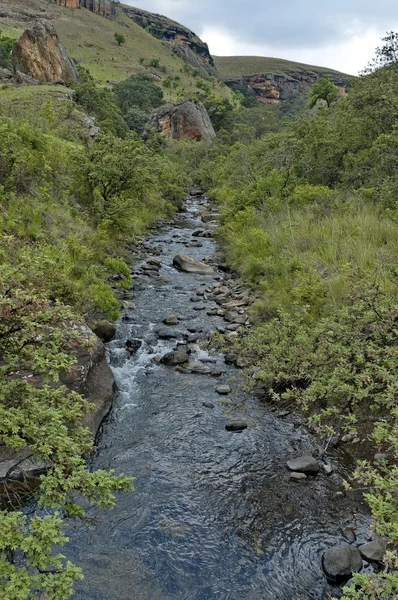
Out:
{"x": 232, "y": 67}
{"x": 89, "y": 38}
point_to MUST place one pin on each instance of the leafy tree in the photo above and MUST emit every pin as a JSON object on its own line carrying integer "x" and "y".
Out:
{"x": 120, "y": 39}
{"x": 325, "y": 90}
{"x": 102, "y": 104}
{"x": 387, "y": 54}
{"x": 6, "y": 45}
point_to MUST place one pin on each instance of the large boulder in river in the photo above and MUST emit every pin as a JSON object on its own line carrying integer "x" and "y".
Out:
{"x": 190, "y": 265}
{"x": 184, "y": 121}
{"x": 340, "y": 562}
{"x": 38, "y": 53}
{"x": 374, "y": 551}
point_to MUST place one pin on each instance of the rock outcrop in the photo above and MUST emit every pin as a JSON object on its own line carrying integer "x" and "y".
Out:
{"x": 39, "y": 54}
{"x": 186, "y": 44}
{"x": 102, "y": 7}
{"x": 184, "y": 121}
{"x": 92, "y": 377}
{"x": 274, "y": 89}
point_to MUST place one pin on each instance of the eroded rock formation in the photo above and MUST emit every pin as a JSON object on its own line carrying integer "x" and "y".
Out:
{"x": 274, "y": 89}
{"x": 186, "y": 44}
{"x": 38, "y": 53}
{"x": 102, "y": 7}
{"x": 184, "y": 121}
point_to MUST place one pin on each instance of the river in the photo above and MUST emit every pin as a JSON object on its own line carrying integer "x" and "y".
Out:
{"x": 214, "y": 514}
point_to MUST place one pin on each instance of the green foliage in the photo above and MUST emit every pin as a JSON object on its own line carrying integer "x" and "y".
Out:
{"x": 120, "y": 39}
{"x": 6, "y": 45}
{"x": 137, "y": 97}
{"x": 324, "y": 90}
{"x": 309, "y": 220}
{"x": 101, "y": 104}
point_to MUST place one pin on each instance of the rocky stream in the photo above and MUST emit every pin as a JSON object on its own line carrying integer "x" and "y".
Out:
{"x": 215, "y": 513}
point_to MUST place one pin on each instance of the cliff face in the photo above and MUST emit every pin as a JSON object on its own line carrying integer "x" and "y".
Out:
{"x": 274, "y": 89}
{"x": 102, "y": 7}
{"x": 182, "y": 41}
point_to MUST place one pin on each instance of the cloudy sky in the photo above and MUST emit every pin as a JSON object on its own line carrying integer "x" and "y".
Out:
{"x": 341, "y": 34}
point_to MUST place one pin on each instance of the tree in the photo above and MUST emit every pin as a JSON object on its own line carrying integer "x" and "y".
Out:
{"x": 120, "y": 39}
{"x": 324, "y": 89}
{"x": 139, "y": 91}
{"x": 386, "y": 54}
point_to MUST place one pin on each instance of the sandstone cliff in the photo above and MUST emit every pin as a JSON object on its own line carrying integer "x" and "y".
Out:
{"x": 184, "y": 121}
{"x": 102, "y": 7}
{"x": 274, "y": 89}
{"x": 186, "y": 44}
{"x": 38, "y": 53}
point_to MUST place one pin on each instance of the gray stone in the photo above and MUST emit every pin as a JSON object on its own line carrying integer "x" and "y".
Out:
{"x": 380, "y": 458}
{"x": 298, "y": 476}
{"x": 175, "y": 358}
{"x": 164, "y": 333}
{"x": 327, "y": 468}
{"x": 349, "y": 534}
{"x": 190, "y": 265}
{"x": 304, "y": 464}
{"x": 374, "y": 551}
{"x": 208, "y": 405}
{"x": 223, "y": 390}
{"x": 340, "y": 562}
{"x": 172, "y": 320}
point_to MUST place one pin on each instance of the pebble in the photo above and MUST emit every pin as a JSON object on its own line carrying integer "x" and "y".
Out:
{"x": 236, "y": 426}
{"x": 208, "y": 405}
{"x": 297, "y": 476}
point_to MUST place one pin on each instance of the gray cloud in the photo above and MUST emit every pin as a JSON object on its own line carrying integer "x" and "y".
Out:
{"x": 283, "y": 23}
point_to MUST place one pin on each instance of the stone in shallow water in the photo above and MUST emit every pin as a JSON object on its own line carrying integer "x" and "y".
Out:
{"x": 208, "y": 405}
{"x": 340, "y": 562}
{"x": 304, "y": 464}
{"x": 223, "y": 390}
{"x": 236, "y": 426}
{"x": 374, "y": 551}
{"x": 190, "y": 265}
{"x": 175, "y": 358}
{"x": 172, "y": 320}
{"x": 349, "y": 534}
{"x": 164, "y": 333}
{"x": 298, "y": 476}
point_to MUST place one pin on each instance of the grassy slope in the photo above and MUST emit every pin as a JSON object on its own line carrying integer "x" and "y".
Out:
{"x": 90, "y": 38}
{"x": 233, "y": 67}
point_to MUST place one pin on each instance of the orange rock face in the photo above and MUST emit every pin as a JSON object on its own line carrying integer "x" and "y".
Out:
{"x": 102, "y": 7}
{"x": 39, "y": 54}
{"x": 184, "y": 121}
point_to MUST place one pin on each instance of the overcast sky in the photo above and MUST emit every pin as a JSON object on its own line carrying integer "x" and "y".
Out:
{"x": 341, "y": 34}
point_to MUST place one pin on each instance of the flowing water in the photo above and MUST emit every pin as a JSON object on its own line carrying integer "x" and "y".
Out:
{"x": 214, "y": 514}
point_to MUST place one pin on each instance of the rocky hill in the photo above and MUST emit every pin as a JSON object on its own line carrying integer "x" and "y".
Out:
{"x": 172, "y": 54}
{"x": 272, "y": 80}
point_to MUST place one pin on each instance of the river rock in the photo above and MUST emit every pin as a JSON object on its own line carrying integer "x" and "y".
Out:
{"x": 104, "y": 330}
{"x": 199, "y": 368}
{"x": 190, "y": 265}
{"x": 208, "y": 405}
{"x": 304, "y": 464}
{"x": 223, "y": 390}
{"x": 340, "y": 562}
{"x": 297, "y": 476}
{"x": 349, "y": 534}
{"x": 164, "y": 333}
{"x": 236, "y": 426}
{"x": 170, "y": 321}
{"x": 374, "y": 551}
{"x": 175, "y": 358}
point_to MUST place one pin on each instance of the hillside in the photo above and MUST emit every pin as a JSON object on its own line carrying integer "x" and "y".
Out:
{"x": 89, "y": 38}
{"x": 233, "y": 67}
{"x": 272, "y": 80}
